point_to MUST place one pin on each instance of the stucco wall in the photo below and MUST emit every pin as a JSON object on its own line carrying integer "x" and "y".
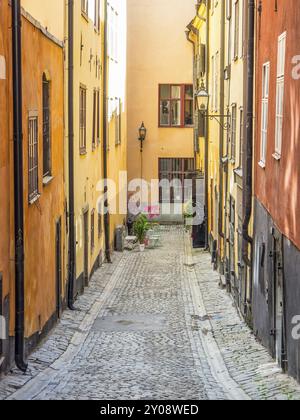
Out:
{"x": 49, "y": 13}
{"x": 277, "y": 186}
{"x": 6, "y": 220}
{"x": 88, "y": 168}
{"x": 158, "y": 53}
{"x": 40, "y": 218}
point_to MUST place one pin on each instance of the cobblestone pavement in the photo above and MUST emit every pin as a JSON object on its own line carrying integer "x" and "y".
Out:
{"x": 152, "y": 325}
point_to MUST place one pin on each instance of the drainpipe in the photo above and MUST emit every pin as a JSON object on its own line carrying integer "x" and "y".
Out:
{"x": 248, "y": 155}
{"x": 105, "y": 165}
{"x": 222, "y": 102}
{"x": 18, "y": 186}
{"x": 72, "y": 243}
{"x": 187, "y": 32}
{"x": 206, "y": 129}
{"x": 248, "y": 148}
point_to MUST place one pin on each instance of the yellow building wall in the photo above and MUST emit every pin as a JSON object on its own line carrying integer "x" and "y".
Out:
{"x": 88, "y": 167}
{"x": 116, "y": 93}
{"x": 49, "y": 13}
{"x": 158, "y": 53}
{"x": 213, "y": 132}
{"x": 234, "y": 95}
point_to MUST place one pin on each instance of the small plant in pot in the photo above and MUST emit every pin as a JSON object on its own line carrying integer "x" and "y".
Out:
{"x": 140, "y": 228}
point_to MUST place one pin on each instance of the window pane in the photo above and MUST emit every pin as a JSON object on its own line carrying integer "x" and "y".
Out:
{"x": 165, "y": 113}
{"x": 164, "y": 92}
{"x": 175, "y": 112}
{"x": 176, "y": 92}
{"x": 189, "y": 92}
{"x": 188, "y": 114}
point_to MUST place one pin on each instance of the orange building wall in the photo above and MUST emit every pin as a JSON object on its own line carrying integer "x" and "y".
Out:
{"x": 5, "y": 122}
{"x": 277, "y": 185}
{"x": 41, "y": 217}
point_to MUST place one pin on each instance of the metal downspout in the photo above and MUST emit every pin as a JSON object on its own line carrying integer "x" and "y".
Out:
{"x": 248, "y": 150}
{"x": 105, "y": 165}
{"x": 72, "y": 244}
{"x": 221, "y": 132}
{"x": 18, "y": 186}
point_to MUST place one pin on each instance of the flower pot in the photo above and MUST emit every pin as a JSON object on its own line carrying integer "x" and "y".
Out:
{"x": 142, "y": 247}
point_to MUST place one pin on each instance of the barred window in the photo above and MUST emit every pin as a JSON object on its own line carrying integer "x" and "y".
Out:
{"x": 46, "y": 128}
{"x": 82, "y": 120}
{"x": 33, "y": 187}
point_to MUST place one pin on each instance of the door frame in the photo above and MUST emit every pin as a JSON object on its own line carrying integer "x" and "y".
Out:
{"x": 58, "y": 266}
{"x": 86, "y": 248}
{"x": 278, "y": 316}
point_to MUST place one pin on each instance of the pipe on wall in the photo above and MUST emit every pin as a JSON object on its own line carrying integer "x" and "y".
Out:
{"x": 248, "y": 147}
{"x": 221, "y": 135}
{"x": 105, "y": 164}
{"x": 248, "y": 155}
{"x": 72, "y": 239}
{"x": 18, "y": 186}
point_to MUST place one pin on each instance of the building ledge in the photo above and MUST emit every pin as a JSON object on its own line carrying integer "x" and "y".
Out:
{"x": 47, "y": 180}
{"x": 276, "y": 156}
{"x": 35, "y": 199}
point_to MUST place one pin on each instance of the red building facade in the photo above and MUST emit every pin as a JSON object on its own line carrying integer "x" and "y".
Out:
{"x": 276, "y": 272}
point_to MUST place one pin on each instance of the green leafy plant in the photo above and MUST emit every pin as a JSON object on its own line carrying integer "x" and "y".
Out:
{"x": 140, "y": 228}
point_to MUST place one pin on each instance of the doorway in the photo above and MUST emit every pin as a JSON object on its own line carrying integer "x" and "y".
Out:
{"x": 86, "y": 248}
{"x": 58, "y": 256}
{"x": 278, "y": 293}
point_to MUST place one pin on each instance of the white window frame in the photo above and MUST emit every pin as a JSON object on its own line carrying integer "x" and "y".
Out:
{"x": 280, "y": 91}
{"x": 264, "y": 113}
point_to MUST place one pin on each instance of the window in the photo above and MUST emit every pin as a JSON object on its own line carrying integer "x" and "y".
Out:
{"x": 176, "y": 106}
{"x": 85, "y": 7}
{"x": 236, "y": 29}
{"x": 98, "y": 116}
{"x": 33, "y": 177}
{"x": 241, "y": 139}
{"x": 233, "y": 132}
{"x": 264, "y": 113}
{"x": 94, "y": 119}
{"x": 118, "y": 123}
{"x": 280, "y": 94}
{"x": 175, "y": 171}
{"x": 46, "y": 128}
{"x": 97, "y": 14}
{"x": 92, "y": 231}
{"x": 82, "y": 120}
{"x": 215, "y": 82}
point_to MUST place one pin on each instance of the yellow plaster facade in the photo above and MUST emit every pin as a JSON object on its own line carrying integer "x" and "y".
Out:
{"x": 158, "y": 53}
{"x": 88, "y": 156}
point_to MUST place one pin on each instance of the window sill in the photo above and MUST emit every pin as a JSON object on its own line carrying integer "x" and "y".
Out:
{"x": 239, "y": 172}
{"x": 277, "y": 156}
{"x": 35, "y": 199}
{"x": 47, "y": 180}
{"x": 83, "y": 152}
{"x": 262, "y": 164}
{"x": 85, "y": 16}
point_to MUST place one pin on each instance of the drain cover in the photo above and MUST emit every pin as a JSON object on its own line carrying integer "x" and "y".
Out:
{"x": 130, "y": 323}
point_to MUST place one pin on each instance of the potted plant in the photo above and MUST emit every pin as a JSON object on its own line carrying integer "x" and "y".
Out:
{"x": 189, "y": 214}
{"x": 140, "y": 228}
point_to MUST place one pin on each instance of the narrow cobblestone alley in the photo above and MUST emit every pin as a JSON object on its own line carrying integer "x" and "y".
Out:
{"x": 152, "y": 325}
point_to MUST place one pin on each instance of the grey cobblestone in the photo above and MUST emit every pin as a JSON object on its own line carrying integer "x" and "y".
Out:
{"x": 249, "y": 364}
{"x": 142, "y": 332}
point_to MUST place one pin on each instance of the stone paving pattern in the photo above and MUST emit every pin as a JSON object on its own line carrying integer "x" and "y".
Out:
{"x": 146, "y": 341}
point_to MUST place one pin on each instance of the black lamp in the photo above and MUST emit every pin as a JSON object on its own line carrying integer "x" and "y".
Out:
{"x": 202, "y": 99}
{"x": 142, "y": 133}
